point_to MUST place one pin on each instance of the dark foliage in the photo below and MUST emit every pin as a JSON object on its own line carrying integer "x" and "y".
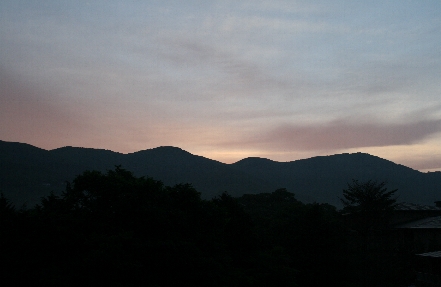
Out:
{"x": 378, "y": 258}
{"x": 116, "y": 229}
{"x": 306, "y": 241}
{"x": 369, "y": 205}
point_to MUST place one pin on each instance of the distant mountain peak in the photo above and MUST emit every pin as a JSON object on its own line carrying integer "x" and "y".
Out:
{"x": 164, "y": 150}
{"x": 168, "y": 148}
{"x": 254, "y": 159}
{"x": 81, "y": 151}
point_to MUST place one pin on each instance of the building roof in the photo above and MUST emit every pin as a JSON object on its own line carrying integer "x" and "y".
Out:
{"x": 413, "y": 206}
{"x": 436, "y": 254}
{"x": 426, "y": 223}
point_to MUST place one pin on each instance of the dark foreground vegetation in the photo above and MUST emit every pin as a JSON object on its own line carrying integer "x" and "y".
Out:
{"x": 115, "y": 229}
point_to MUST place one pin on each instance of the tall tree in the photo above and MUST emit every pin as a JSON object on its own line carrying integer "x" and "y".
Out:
{"x": 369, "y": 204}
{"x": 367, "y": 208}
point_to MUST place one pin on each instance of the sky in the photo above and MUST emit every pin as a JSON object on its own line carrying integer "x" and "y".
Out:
{"x": 283, "y": 80}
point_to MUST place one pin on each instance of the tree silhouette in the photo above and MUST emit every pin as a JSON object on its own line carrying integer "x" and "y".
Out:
{"x": 367, "y": 208}
{"x": 369, "y": 204}
{"x": 116, "y": 229}
{"x": 7, "y": 209}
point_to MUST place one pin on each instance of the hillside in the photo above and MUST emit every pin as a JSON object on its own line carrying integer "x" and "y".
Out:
{"x": 323, "y": 178}
{"x": 27, "y": 173}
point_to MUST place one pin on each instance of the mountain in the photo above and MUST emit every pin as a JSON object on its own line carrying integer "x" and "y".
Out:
{"x": 27, "y": 173}
{"x": 322, "y": 178}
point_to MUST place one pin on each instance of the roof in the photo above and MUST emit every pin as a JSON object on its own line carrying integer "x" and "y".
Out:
{"x": 436, "y": 254}
{"x": 426, "y": 223}
{"x": 413, "y": 206}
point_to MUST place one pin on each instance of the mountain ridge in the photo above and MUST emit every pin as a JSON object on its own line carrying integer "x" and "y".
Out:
{"x": 27, "y": 173}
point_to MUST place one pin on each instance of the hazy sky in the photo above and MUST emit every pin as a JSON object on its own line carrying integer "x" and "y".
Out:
{"x": 226, "y": 80}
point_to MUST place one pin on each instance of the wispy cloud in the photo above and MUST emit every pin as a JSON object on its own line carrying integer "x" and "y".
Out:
{"x": 339, "y": 135}
{"x": 226, "y": 73}
{"x": 29, "y": 113}
{"x": 259, "y": 77}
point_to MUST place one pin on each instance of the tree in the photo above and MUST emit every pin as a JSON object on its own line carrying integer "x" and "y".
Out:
{"x": 370, "y": 205}
{"x": 7, "y": 209}
{"x": 367, "y": 208}
{"x": 115, "y": 228}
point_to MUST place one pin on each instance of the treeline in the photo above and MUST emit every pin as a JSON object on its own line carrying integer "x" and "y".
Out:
{"x": 115, "y": 229}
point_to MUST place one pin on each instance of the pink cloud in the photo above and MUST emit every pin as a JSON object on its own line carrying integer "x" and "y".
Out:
{"x": 338, "y": 135}
{"x": 31, "y": 114}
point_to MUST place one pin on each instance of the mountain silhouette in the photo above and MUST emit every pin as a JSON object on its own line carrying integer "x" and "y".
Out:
{"x": 28, "y": 173}
{"x": 322, "y": 178}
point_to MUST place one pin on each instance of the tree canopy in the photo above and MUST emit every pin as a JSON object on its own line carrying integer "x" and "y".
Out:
{"x": 117, "y": 229}
{"x": 370, "y": 203}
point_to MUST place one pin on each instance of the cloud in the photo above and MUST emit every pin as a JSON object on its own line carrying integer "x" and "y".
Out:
{"x": 33, "y": 114}
{"x": 220, "y": 74}
{"x": 217, "y": 64}
{"x": 275, "y": 25}
{"x": 339, "y": 135}
{"x": 429, "y": 163}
